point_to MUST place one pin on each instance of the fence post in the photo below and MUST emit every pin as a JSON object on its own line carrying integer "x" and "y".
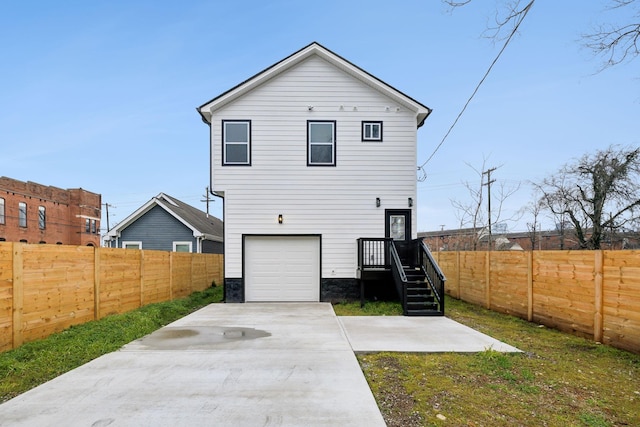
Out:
{"x": 96, "y": 283}
{"x": 18, "y": 293}
{"x": 530, "y": 286}
{"x": 141, "y": 278}
{"x": 458, "y": 275}
{"x": 487, "y": 289}
{"x": 171, "y": 276}
{"x": 598, "y": 300}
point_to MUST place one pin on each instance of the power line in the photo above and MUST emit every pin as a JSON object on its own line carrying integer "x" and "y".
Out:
{"x": 524, "y": 12}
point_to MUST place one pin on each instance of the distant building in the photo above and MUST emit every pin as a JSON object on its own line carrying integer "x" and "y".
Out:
{"x": 165, "y": 223}
{"x": 469, "y": 239}
{"x": 35, "y": 213}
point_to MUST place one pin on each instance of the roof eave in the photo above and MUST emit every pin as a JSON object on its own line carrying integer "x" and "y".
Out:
{"x": 206, "y": 110}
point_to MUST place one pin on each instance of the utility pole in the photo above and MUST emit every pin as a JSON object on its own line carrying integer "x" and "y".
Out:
{"x": 106, "y": 206}
{"x": 488, "y": 184}
{"x": 206, "y": 196}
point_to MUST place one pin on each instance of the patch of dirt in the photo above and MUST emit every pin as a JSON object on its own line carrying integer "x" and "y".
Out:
{"x": 396, "y": 405}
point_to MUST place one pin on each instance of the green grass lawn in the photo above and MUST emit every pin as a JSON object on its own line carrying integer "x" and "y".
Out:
{"x": 37, "y": 362}
{"x": 558, "y": 380}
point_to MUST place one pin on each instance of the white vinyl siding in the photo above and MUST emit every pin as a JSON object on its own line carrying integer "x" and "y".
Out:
{"x": 338, "y": 202}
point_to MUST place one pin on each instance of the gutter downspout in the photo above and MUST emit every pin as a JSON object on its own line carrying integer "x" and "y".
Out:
{"x": 224, "y": 237}
{"x": 208, "y": 123}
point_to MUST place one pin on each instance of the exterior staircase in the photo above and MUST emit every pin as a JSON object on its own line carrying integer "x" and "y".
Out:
{"x": 418, "y": 280}
{"x": 418, "y": 297}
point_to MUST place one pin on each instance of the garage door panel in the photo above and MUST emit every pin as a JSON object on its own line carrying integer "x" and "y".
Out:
{"x": 282, "y": 268}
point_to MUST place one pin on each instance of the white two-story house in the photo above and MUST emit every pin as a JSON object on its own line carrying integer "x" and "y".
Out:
{"x": 310, "y": 155}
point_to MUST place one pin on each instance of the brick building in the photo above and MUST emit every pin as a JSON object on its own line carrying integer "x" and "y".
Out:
{"x": 468, "y": 239}
{"x": 35, "y": 213}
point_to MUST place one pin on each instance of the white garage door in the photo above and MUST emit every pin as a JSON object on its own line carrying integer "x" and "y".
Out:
{"x": 282, "y": 268}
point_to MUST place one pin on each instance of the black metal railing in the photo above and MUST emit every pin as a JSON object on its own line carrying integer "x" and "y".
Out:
{"x": 399, "y": 276}
{"x": 435, "y": 276}
{"x": 373, "y": 252}
{"x": 385, "y": 254}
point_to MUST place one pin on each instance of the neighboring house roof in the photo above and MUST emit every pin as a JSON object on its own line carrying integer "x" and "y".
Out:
{"x": 206, "y": 110}
{"x": 203, "y": 225}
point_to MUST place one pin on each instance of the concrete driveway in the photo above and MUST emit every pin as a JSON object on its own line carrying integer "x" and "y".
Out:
{"x": 227, "y": 365}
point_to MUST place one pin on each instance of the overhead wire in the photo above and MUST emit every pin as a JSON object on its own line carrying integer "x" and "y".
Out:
{"x": 523, "y": 14}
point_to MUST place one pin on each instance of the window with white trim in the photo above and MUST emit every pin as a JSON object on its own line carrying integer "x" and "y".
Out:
{"x": 321, "y": 143}
{"x": 236, "y": 142}
{"x": 132, "y": 245}
{"x": 182, "y": 246}
{"x": 371, "y": 131}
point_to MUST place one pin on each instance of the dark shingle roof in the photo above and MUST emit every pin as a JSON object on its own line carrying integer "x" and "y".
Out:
{"x": 200, "y": 222}
{"x": 206, "y": 224}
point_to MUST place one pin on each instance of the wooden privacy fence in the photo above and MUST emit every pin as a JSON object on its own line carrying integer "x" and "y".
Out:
{"x": 594, "y": 294}
{"x": 47, "y": 288}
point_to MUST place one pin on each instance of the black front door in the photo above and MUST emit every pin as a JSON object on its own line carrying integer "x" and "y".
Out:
{"x": 398, "y": 228}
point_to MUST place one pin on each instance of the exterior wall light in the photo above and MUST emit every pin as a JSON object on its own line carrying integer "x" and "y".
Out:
{"x": 410, "y": 201}
{"x": 280, "y": 219}
{"x": 377, "y": 202}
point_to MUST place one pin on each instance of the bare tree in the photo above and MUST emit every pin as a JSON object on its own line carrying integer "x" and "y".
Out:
{"x": 507, "y": 16}
{"x": 615, "y": 42}
{"x": 597, "y": 193}
{"x": 469, "y": 212}
{"x": 472, "y": 213}
{"x": 534, "y": 209}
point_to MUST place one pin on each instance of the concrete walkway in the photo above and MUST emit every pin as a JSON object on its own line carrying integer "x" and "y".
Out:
{"x": 228, "y": 365}
{"x": 416, "y": 335}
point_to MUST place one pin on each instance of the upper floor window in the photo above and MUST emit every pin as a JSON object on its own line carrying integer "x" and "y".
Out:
{"x": 87, "y": 225}
{"x": 22, "y": 214}
{"x": 372, "y": 131}
{"x": 236, "y": 142}
{"x": 321, "y": 143}
{"x": 2, "y": 211}
{"x": 42, "y": 217}
{"x": 93, "y": 226}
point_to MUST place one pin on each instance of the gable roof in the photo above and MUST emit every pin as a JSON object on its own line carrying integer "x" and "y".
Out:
{"x": 206, "y": 110}
{"x": 202, "y": 225}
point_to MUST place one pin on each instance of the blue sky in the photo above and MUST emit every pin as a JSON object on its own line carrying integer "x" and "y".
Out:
{"x": 102, "y": 95}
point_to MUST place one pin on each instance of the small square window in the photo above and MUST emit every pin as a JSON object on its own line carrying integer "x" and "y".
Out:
{"x": 372, "y": 131}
